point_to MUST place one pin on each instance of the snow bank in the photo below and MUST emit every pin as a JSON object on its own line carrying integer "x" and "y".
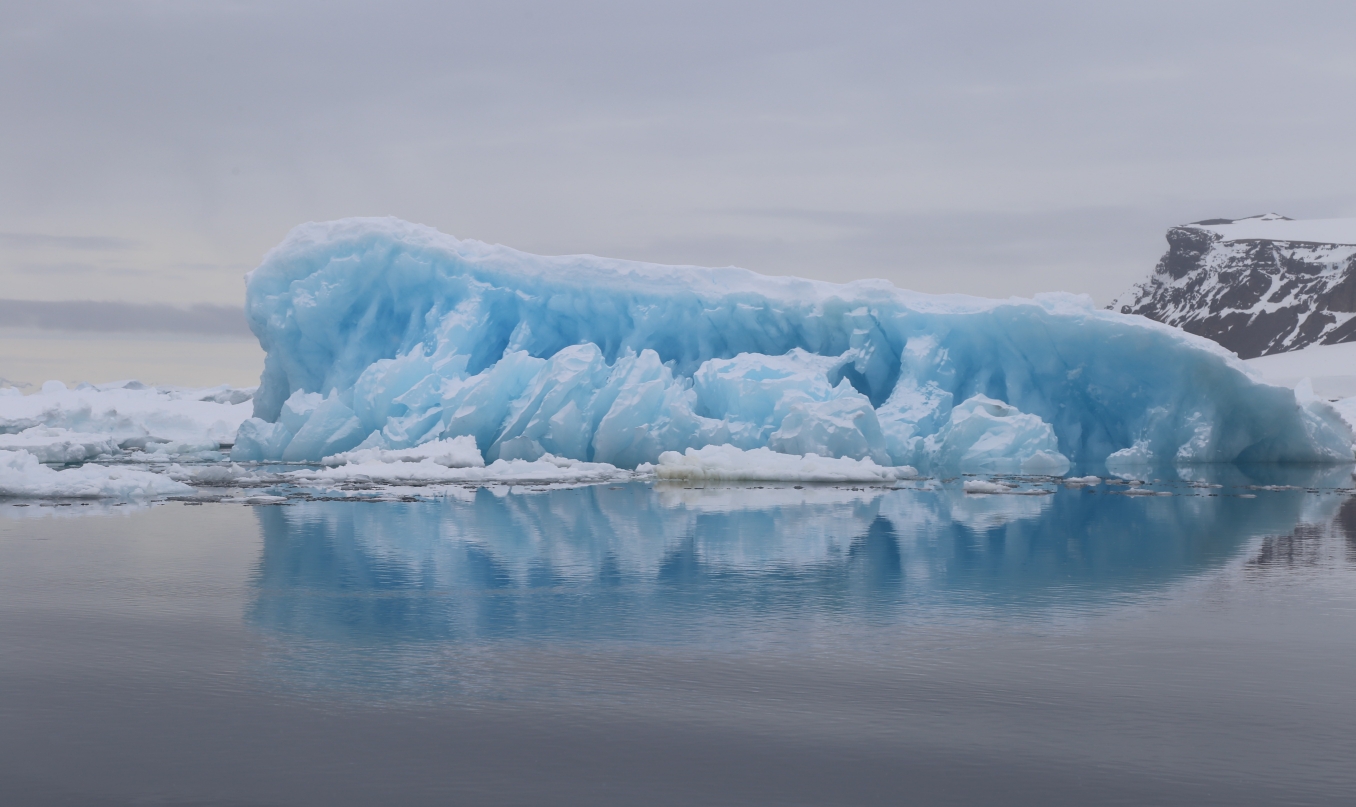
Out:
{"x": 21, "y": 474}
{"x": 69, "y": 425}
{"x": 729, "y": 464}
{"x": 383, "y": 335}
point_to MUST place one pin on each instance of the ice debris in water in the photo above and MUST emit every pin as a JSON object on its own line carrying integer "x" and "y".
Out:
{"x": 384, "y": 335}
{"x": 729, "y": 464}
{"x": 22, "y": 475}
{"x": 985, "y": 486}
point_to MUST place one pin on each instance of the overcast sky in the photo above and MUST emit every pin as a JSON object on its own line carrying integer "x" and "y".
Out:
{"x": 153, "y": 151}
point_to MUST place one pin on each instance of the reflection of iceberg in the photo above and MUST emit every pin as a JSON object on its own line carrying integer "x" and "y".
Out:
{"x": 415, "y": 597}
{"x": 631, "y": 562}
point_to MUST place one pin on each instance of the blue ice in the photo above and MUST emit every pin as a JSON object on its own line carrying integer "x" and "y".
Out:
{"x": 380, "y": 333}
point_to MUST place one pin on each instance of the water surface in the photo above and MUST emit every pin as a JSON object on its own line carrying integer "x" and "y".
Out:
{"x": 639, "y": 643}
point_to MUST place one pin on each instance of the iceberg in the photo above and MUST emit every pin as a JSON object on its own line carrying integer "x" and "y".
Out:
{"x": 381, "y": 335}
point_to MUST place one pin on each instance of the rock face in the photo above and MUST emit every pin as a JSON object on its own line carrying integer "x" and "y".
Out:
{"x": 1260, "y": 285}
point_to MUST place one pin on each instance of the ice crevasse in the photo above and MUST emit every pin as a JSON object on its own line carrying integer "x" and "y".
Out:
{"x": 381, "y": 334}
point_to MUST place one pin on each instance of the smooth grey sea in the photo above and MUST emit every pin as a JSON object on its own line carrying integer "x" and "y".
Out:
{"x": 647, "y": 645}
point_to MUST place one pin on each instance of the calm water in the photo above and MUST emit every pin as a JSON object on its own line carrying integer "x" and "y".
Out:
{"x": 636, "y": 644}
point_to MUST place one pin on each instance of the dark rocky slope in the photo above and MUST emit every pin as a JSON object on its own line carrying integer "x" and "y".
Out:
{"x": 1260, "y": 285}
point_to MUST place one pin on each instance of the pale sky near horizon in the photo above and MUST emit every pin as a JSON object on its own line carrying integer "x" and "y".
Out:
{"x": 153, "y": 151}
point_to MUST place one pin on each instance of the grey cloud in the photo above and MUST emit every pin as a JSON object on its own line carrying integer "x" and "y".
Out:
{"x": 90, "y": 315}
{"x": 56, "y": 268}
{"x": 966, "y": 146}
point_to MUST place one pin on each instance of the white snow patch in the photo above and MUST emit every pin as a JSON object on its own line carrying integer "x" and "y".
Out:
{"x": 1271, "y": 227}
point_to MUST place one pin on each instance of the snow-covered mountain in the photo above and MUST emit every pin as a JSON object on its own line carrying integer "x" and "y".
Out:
{"x": 1261, "y": 285}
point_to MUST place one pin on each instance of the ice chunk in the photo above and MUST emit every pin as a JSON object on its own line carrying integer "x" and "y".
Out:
{"x": 220, "y": 475}
{"x": 411, "y": 336}
{"x": 258, "y": 440}
{"x": 330, "y": 427}
{"x": 21, "y": 474}
{"x": 985, "y": 486}
{"x": 455, "y": 452}
{"x": 730, "y": 464}
{"x": 843, "y": 427}
{"x": 983, "y": 434}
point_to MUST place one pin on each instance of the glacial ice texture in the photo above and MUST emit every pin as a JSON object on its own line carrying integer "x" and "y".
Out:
{"x": 383, "y": 335}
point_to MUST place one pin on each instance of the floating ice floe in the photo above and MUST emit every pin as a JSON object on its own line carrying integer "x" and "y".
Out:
{"x": 385, "y": 335}
{"x": 999, "y": 487}
{"x": 23, "y": 475}
{"x": 729, "y": 464}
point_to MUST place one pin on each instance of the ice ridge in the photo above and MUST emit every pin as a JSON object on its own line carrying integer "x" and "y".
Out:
{"x": 385, "y": 335}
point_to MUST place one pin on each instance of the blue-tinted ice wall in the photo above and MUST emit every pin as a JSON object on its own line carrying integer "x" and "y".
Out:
{"x": 382, "y": 332}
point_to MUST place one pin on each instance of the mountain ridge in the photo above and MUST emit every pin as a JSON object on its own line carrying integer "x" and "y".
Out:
{"x": 1259, "y": 285}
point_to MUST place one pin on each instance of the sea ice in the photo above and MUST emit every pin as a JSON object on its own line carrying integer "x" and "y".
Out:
{"x": 69, "y": 425}
{"x": 22, "y": 475}
{"x": 385, "y": 335}
{"x": 59, "y": 446}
